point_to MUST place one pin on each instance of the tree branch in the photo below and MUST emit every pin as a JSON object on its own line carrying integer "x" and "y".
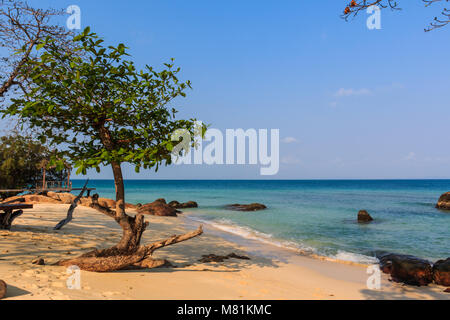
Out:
{"x": 149, "y": 249}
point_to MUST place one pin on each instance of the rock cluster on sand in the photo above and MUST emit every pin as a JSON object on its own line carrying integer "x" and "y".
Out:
{"x": 441, "y": 272}
{"x": 3, "y": 288}
{"x": 364, "y": 216}
{"x": 31, "y": 199}
{"x": 246, "y": 207}
{"x": 158, "y": 208}
{"x": 415, "y": 271}
{"x": 64, "y": 198}
{"x": 444, "y": 201}
{"x": 407, "y": 269}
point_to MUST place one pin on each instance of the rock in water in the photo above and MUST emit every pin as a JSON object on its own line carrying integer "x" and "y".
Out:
{"x": 441, "y": 272}
{"x": 407, "y": 269}
{"x": 3, "y": 288}
{"x": 177, "y": 205}
{"x": 246, "y": 207}
{"x": 364, "y": 216}
{"x": 444, "y": 201}
{"x": 189, "y": 204}
{"x": 174, "y": 204}
{"x": 158, "y": 208}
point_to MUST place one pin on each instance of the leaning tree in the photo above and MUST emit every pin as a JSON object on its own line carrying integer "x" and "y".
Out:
{"x": 356, "y": 6}
{"x": 101, "y": 111}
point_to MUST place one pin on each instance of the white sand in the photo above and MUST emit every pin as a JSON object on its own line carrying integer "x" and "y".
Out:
{"x": 270, "y": 274}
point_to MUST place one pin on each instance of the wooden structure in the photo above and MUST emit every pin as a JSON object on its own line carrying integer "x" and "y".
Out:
{"x": 7, "y": 213}
{"x": 45, "y": 185}
{"x": 54, "y": 185}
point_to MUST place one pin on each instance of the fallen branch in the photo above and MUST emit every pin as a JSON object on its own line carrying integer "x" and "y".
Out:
{"x": 71, "y": 209}
{"x": 172, "y": 240}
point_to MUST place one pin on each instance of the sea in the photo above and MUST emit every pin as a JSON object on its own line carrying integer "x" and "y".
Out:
{"x": 312, "y": 216}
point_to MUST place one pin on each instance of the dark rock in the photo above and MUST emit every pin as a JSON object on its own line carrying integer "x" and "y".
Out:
{"x": 364, "y": 216}
{"x": 162, "y": 200}
{"x": 246, "y": 207}
{"x": 441, "y": 272}
{"x": 444, "y": 201}
{"x": 177, "y": 205}
{"x": 3, "y": 288}
{"x": 38, "y": 261}
{"x": 174, "y": 204}
{"x": 447, "y": 290}
{"x": 216, "y": 258}
{"x": 406, "y": 269}
{"x": 157, "y": 208}
{"x": 189, "y": 204}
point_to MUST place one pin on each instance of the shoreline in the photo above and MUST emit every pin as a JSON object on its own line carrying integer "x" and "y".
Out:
{"x": 273, "y": 248}
{"x": 270, "y": 273}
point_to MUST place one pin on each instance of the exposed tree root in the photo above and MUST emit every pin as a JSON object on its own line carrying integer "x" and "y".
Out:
{"x": 114, "y": 259}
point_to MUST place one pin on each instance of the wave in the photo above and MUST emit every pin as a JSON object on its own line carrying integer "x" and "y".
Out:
{"x": 354, "y": 257}
{"x": 251, "y": 234}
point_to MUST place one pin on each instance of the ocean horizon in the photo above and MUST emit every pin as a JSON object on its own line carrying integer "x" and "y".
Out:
{"x": 312, "y": 216}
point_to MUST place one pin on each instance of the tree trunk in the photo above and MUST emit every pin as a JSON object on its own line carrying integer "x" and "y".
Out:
{"x": 133, "y": 227}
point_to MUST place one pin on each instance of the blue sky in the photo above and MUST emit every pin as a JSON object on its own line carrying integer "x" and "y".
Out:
{"x": 351, "y": 102}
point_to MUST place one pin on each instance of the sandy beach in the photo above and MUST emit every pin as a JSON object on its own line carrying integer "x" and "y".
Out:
{"x": 271, "y": 273}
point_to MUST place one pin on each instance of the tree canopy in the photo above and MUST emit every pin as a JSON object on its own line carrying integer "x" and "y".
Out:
{"x": 99, "y": 107}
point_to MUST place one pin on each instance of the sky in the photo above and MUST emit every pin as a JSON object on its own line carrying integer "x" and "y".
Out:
{"x": 349, "y": 102}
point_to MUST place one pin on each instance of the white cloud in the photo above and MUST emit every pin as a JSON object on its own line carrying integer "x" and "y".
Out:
{"x": 410, "y": 156}
{"x": 289, "y": 140}
{"x": 342, "y": 92}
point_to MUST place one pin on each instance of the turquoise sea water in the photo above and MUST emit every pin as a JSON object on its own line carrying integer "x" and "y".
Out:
{"x": 314, "y": 216}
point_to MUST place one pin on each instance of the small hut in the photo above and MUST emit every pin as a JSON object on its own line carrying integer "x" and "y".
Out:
{"x": 54, "y": 185}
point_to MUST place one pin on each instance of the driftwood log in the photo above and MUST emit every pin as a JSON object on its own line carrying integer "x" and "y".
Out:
{"x": 71, "y": 209}
{"x": 114, "y": 259}
{"x": 9, "y": 212}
